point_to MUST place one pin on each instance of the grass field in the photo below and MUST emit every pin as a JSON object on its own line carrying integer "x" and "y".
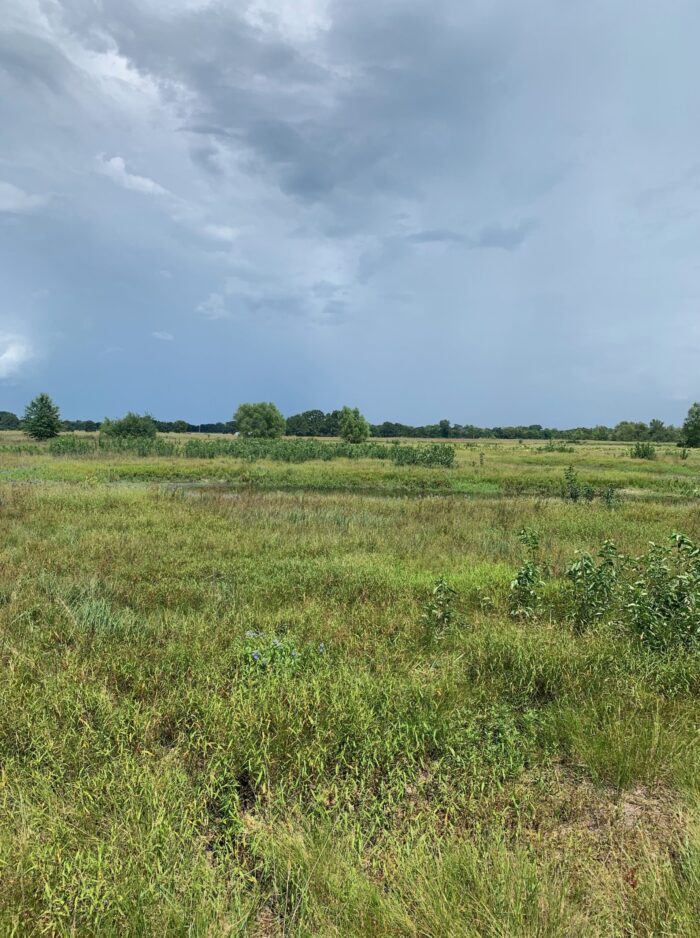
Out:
{"x": 231, "y": 702}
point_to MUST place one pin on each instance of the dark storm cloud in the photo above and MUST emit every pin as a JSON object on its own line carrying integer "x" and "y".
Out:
{"x": 339, "y": 182}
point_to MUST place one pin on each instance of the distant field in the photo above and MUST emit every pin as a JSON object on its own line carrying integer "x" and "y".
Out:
{"x": 239, "y": 697}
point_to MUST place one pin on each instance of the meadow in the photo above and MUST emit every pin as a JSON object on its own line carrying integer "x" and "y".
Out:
{"x": 249, "y": 694}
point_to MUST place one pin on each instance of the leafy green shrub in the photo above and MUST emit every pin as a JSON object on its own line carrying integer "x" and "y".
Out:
{"x": 132, "y": 426}
{"x": 526, "y": 588}
{"x": 663, "y": 599}
{"x": 573, "y": 489}
{"x": 611, "y": 496}
{"x": 439, "y": 612}
{"x": 642, "y": 450}
{"x": 593, "y": 585}
{"x": 656, "y": 596}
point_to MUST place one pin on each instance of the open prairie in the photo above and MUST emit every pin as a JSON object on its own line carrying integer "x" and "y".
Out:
{"x": 299, "y": 695}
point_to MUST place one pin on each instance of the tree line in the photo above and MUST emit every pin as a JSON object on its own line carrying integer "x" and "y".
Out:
{"x": 42, "y": 420}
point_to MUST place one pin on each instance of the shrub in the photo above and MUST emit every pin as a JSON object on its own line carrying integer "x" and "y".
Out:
{"x": 642, "y": 450}
{"x": 573, "y": 489}
{"x": 438, "y": 611}
{"x": 663, "y": 599}
{"x": 132, "y": 427}
{"x": 611, "y": 496}
{"x": 593, "y": 585}
{"x": 526, "y": 587}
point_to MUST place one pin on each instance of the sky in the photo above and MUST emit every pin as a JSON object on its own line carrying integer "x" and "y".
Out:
{"x": 480, "y": 210}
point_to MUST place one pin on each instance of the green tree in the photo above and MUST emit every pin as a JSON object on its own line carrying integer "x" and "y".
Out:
{"x": 42, "y": 419}
{"x": 308, "y": 423}
{"x": 331, "y": 424}
{"x": 8, "y": 420}
{"x": 261, "y": 420}
{"x": 131, "y": 426}
{"x": 690, "y": 434}
{"x": 353, "y": 426}
{"x": 180, "y": 426}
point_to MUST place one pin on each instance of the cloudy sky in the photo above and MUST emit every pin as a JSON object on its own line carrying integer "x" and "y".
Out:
{"x": 485, "y": 210}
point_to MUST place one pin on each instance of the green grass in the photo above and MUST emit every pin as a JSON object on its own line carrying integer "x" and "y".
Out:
{"x": 508, "y": 778}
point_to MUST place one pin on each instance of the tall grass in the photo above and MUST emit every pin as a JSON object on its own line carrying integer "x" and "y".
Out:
{"x": 312, "y": 714}
{"x": 283, "y": 450}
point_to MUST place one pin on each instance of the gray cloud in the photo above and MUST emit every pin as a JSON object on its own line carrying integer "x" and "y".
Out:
{"x": 500, "y": 183}
{"x": 505, "y": 237}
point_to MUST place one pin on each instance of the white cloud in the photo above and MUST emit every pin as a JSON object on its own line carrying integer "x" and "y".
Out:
{"x": 15, "y": 200}
{"x": 14, "y": 352}
{"x": 164, "y": 336}
{"x": 221, "y": 232}
{"x": 115, "y": 169}
{"x": 214, "y": 307}
{"x": 295, "y": 20}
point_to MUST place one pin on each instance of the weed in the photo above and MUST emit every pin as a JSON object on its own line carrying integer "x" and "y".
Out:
{"x": 526, "y": 588}
{"x": 663, "y": 598}
{"x": 574, "y": 490}
{"x": 439, "y": 612}
{"x": 642, "y": 450}
{"x": 593, "y": 585}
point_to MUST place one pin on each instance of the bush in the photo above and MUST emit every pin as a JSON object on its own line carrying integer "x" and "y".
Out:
{"x": 642, "y": 450}
{"x": 656, "y": 596}
{"x": 574, "y": 489}
{"x": 526, "y": 588}
{"x": 439, "y": 612}
{"x": 132, "y": 426}
{"x": 663, "y": 598}
{"x": 593, "y": 585}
